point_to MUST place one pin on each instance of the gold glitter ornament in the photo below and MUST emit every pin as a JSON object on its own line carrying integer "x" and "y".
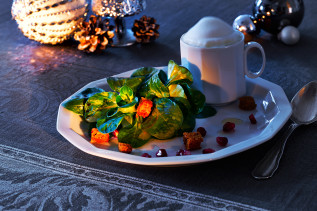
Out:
{"x": 49, "y": 21}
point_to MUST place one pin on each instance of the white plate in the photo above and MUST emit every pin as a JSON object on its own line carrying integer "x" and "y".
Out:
{"x": 272, "y": 112}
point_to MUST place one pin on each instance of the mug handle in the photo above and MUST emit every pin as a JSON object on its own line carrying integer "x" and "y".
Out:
{"x": 247, "y": 47}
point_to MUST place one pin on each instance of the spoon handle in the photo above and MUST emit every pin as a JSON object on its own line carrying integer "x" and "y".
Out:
{"x": 266, "y": 167}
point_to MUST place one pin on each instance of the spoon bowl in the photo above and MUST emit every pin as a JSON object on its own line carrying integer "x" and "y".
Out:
{"x": 304, "y": 106}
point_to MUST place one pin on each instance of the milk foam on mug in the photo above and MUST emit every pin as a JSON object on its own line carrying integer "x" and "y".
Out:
{"x": 216, "y": 55}
{"x": 211, "y": 32}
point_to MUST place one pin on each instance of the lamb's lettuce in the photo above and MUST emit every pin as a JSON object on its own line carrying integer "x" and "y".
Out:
{"x": 108, "y": 125}
{"x": 165, "y": 119}
{"x": 189, "y": 121}
{"x": 178, "y": 74}
{"x": 134, "y": 135}
{"x": 196, "y": 98}
{"x": 76, "y": 104}
{"x": 176, "y": 105}
{"x": 155, "y": 86}
{"x": 98, "y": 105}
{"x": 116, "y": 83}
{"x": 207, "y": 111}
{"x": 126, "y": 100}
{"x": 176, "y": 91}
{"x": 144, "y": 71}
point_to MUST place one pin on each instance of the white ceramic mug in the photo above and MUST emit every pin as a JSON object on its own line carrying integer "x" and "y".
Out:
{"x": 219, "y": 72}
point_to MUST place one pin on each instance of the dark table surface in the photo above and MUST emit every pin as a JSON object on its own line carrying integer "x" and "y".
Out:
{"x": 39, "y": 169}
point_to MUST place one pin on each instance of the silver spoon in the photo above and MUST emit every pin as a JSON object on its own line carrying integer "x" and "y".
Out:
{"x": 304, "y": 105}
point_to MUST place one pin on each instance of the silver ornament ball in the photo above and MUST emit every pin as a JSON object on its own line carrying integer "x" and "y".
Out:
{"x": 289, "y": 35}
{"x": 245, "y": 24}
{"x": 274, "y": 15}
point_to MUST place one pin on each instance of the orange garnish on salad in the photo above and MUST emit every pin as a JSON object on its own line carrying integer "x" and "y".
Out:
{"x": 98, "y": 137}
{"x": 145, "y": 107}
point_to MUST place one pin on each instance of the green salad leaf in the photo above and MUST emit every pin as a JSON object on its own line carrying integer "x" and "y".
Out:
{"x": 189, "y": 121}
{"x": 196, "y": 98}
{"x": 208, "y": 111}
{"x": 144, "y": 71}
{"x": 126, "y": 95}
{"x": 165, "y": 119}
{"x": 108, "y": 125}
{"x": 76, "y": 104}
{"x": 178, "y": 74}
{"x": 98, "y": 104}
{"x": 176, "y": 91}
{"x": 116, "y": 83}
{"x": 176, "y": 105}
{"x": 129, "y": 108}
{"x": 128, "y": 120}
{"x": 134, "y": 135}
{"x": 126, "y": 100}
{"x": 155, "y": 86}
{"x": 112, "y": 112}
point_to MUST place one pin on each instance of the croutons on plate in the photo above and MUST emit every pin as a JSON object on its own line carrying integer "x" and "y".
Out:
{"x": 192, "y": 140}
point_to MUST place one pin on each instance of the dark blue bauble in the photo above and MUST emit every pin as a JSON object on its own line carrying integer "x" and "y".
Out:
{"x": 273, "y": 15}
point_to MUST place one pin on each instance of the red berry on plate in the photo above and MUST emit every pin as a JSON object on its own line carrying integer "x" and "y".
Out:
{"x": 252, "y": 119}
{"x": 208, "y": 150}
{"x": 222, "y": 141}
{"x": 202, "y": 131}
{"x": 146, "y": 155}
{"x": 161, "y": 153}
{"x": 182, "y": 152}
{"x": 228, "y": 127}
{"x": 186, "y": 152}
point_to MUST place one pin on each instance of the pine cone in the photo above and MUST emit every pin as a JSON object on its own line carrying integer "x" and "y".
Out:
{"x": 145, "y": 30}
{"x": 94, "y": 35}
